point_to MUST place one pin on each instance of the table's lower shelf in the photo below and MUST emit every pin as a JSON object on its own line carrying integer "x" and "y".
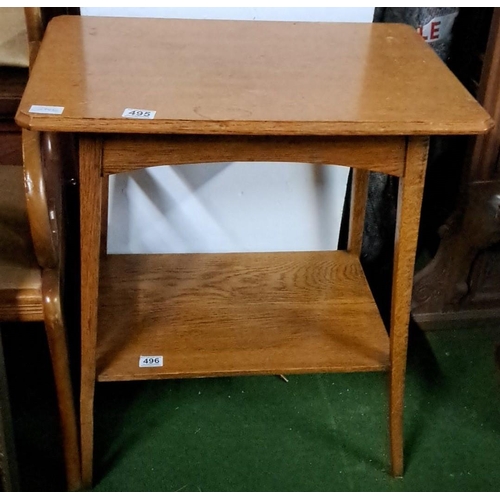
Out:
{"x": 236, "y": 314}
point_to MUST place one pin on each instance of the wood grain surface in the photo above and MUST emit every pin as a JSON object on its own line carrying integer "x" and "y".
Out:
{"x": 235, "y": 314}
{"x": 90, "y": 149}
{"x": 411, "y": 188}
{"x": 11, "y": 151}
{"x": 20, "y": 276}
{"x": 44, "y": 162}
{"x": 380, "y": 154}
{"x": 55, "y": 327}
{"x": 359, "y": 195}
{"x": 31, "y": 257}
{"x": 28, "y": 292}
{"x": 245, "y": 77}
{"x": 37, "y": 152}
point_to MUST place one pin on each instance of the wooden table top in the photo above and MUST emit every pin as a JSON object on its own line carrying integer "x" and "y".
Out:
{"x": 244, "y": 77}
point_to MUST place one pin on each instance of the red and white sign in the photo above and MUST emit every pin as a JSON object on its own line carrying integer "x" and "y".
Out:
{"x": 437, "y": 28}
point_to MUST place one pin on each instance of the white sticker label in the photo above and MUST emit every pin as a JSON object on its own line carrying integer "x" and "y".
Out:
{"x": 150, "y": 361}
{"x": 141, "y": 114}
{"x": 46, "y": 110}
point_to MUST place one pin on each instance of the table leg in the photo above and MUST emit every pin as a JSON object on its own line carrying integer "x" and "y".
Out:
{"x": 104, "y": 215}
{"x": 90, "y": 231}
{"x": 359, "y": 192}
{"x": 411, "y": 186}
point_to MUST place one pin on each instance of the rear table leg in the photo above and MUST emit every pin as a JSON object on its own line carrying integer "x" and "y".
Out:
{"x": 359, "y": 194}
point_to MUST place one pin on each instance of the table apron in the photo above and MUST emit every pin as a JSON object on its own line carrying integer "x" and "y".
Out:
{"x": 126, "y": 152}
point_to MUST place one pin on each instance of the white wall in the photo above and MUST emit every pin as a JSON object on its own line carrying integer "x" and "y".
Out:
{"x": 228, "y": 207}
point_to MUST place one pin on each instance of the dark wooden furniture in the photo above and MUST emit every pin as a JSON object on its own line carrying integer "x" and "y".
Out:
{"x": 460, "y": 285}
{"x": 366, "y": 96}
{"x": 13, "y": 81}
{"x": 9, "y": 475}
{"x": 31, "y": 266}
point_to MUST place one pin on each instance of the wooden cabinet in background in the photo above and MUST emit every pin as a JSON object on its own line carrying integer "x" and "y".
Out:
{"x": 461, "y": 284}
{"x": 12, "y": 83}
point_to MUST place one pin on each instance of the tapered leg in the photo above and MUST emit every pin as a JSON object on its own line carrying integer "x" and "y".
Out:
{"x": 56, "y": 337}
{"x": 411, "y": 187}
{"x": 90, "y": 233}
{"x": 359, "y": 194}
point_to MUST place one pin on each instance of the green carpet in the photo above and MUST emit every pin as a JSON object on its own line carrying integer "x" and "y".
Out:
{"x": 314, "y": 433}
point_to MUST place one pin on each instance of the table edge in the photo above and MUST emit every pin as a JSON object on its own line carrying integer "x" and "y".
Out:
{"x": 239, "y": 127}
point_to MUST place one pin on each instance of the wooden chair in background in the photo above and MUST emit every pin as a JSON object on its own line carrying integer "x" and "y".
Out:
{"x": 31, "y": 265}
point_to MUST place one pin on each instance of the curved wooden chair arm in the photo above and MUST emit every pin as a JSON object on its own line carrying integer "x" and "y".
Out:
{"x": 39, "y": 163}
{"x": 37, "y": 19}
{"x": 32, "y": 265}
{"x": 35, "y": 29}
{"x": 40, "y": 160}
{"x": 49, "y": 163}
{"x": 45, "y": 157}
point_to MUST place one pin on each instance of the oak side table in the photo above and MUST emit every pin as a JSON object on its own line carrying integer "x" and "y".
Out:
{"x": 148, "y": 92}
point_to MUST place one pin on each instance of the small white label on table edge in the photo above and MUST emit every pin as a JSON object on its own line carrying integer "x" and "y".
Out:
{"x": 139, "y": 114}
{"x": 150, "y": 361}
{"x": 46, "y": 110}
